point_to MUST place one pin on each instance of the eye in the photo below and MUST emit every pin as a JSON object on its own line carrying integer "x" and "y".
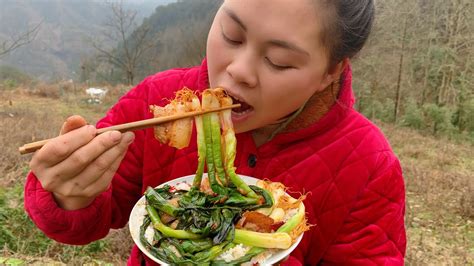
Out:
{"x": 276, "y": 66}
{"x": 230, "y": 40}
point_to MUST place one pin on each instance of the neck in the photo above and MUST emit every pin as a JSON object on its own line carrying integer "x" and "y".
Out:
{"x": 262, "y": 135}
{"x": 316, "y": 107}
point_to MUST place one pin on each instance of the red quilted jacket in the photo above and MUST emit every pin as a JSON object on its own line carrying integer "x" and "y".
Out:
{"x": 356, "y": 197}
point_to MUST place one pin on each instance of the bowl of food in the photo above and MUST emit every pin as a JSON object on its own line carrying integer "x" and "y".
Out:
{"x": 262, "y": 227}
{"x": 218, "y": 217}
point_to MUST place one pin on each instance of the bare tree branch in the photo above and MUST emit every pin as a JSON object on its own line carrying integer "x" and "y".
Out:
{"x": 15, "y": 42}
{"x": 132, "y": 41}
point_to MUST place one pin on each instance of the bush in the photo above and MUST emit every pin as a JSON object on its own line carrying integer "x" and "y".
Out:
{"x": 382, "y": 111}
{"x": 467, "y": 116}
{"x": 12, "y": 77}
{"x": 439, "y": 118}
{"x": 47, "y": 90}
{"x": 413, "y": 116}
{"x": 10, "y": 83}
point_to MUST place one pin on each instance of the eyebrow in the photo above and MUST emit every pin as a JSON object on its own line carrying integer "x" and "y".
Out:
{"x": 289, "y": 46}
{"x": 236, "y": 18}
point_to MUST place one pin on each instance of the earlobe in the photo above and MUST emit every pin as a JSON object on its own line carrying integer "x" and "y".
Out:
{"x": 334, "y": 72}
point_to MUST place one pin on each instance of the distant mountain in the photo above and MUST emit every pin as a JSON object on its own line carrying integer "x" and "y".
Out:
{"x": 62, "y": 39}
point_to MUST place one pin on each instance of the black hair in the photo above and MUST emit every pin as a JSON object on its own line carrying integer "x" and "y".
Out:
{"x": 346, "y": 27}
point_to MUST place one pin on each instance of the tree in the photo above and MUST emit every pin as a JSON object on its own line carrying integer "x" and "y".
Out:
{"x": 417, "y": 66}
{"x": 400, "y": 70}
{"x": 7, "y": 46}
{"x": 183, "y": 45}
{"x": 132, "y": 41}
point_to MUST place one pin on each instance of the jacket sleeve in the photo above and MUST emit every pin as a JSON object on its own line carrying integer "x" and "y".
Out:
{"x": 110, "y": 209}
{"x": 291, "y": 261}
{"x": 374, "y": 231}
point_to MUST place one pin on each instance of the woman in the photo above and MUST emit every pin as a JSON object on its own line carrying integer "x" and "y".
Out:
{"x": 288, "y": 64}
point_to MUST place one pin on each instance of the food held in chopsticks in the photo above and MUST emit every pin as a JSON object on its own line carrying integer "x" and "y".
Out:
{"x": 218, "y": 219}
{"x": 177, "y": 133}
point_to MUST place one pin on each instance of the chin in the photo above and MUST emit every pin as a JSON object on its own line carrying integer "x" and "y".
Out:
{"x": 238, "y": 129}
{"x": 241, "y": 128}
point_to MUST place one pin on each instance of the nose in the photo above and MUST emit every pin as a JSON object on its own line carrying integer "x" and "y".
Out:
{"x": 243, "y": 70}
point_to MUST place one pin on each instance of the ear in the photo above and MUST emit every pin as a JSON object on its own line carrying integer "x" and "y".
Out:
{"x": 334, "y": 72}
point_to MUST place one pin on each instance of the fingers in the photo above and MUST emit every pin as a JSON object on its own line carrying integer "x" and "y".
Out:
{"x": 59, "y": 148}
{"x": 103, "y": 183}
{"x": 71, "y": 123}
{"x": 97, "y": 175}
{"x": 85, "y": 155}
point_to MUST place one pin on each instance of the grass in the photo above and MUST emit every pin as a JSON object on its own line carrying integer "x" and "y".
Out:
{"x": 26, "y": 116}
{"x": 440, "y": 197}
{"x": 438, "y": 173}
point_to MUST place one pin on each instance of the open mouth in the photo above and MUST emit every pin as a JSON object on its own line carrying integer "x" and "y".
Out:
{"x": 244, "y": 107}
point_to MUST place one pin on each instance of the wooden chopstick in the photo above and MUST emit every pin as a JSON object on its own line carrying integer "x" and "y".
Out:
{"x": 34, "y": 146}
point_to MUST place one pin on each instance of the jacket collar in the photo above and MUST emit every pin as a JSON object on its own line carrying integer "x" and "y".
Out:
{"x": 321, "y": 103}
{"x": 312, "y": 123}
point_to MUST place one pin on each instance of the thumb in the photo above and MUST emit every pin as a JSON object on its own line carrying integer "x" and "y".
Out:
{"x": 71, "y": 123}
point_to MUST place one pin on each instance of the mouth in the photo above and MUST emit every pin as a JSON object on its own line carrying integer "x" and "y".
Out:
{"x": 244, "y": 107}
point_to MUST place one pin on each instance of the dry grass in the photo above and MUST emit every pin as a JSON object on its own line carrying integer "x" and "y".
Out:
{"x": 27, "y": 116}
{"x": 439, "y": 180}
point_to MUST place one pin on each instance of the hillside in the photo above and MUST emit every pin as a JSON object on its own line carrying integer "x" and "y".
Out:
{"x": 62, "y": 39}
{"x": 179, "y": 33}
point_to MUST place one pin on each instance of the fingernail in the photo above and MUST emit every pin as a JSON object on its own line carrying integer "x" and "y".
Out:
{"x": 115, "y": 136}
{"x": 129, "y": 137}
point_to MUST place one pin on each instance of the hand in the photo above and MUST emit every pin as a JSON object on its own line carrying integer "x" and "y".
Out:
{"x": 77, "y": 165}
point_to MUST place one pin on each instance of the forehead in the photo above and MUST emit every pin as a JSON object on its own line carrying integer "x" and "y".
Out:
{"x": 292, "y": 20}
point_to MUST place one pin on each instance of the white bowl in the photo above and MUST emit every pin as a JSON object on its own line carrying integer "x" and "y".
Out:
{"x": 139, "y": 212}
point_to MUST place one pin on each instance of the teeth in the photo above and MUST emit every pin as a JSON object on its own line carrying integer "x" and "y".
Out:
{"x": 243, "y": 112}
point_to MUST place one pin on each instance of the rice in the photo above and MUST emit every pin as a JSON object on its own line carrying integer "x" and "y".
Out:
{"x": 234, "y": 253}
{"x": 149, "y": 234}
{"x": 183, "y": 186}
{"x": 260, "y": 258}
{"x": 240, "y": 250}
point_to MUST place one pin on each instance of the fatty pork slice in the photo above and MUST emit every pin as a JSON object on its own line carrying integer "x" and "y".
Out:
{"x": 177, "y": 133}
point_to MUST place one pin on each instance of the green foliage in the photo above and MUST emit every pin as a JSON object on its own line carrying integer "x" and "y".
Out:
{"x": 463, "y": 118}
{"x": 13, "y": 234}
{"x": 11, "y": 261}
{"x": 468, "y": 116}
{"x": 18, "y": 234}
{"x": 10, "y": 83}
{"x": 382, "y": 111}
{"x": 12, "y": 77}
{"x": 436, "y": 74}
{"x": 413, "y": 116}
{"x": 439, "y": 118}
{"x": 435, "y": 116}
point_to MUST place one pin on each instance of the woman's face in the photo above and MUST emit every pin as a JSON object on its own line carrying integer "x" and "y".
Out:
{"x": 267, "y": 55}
